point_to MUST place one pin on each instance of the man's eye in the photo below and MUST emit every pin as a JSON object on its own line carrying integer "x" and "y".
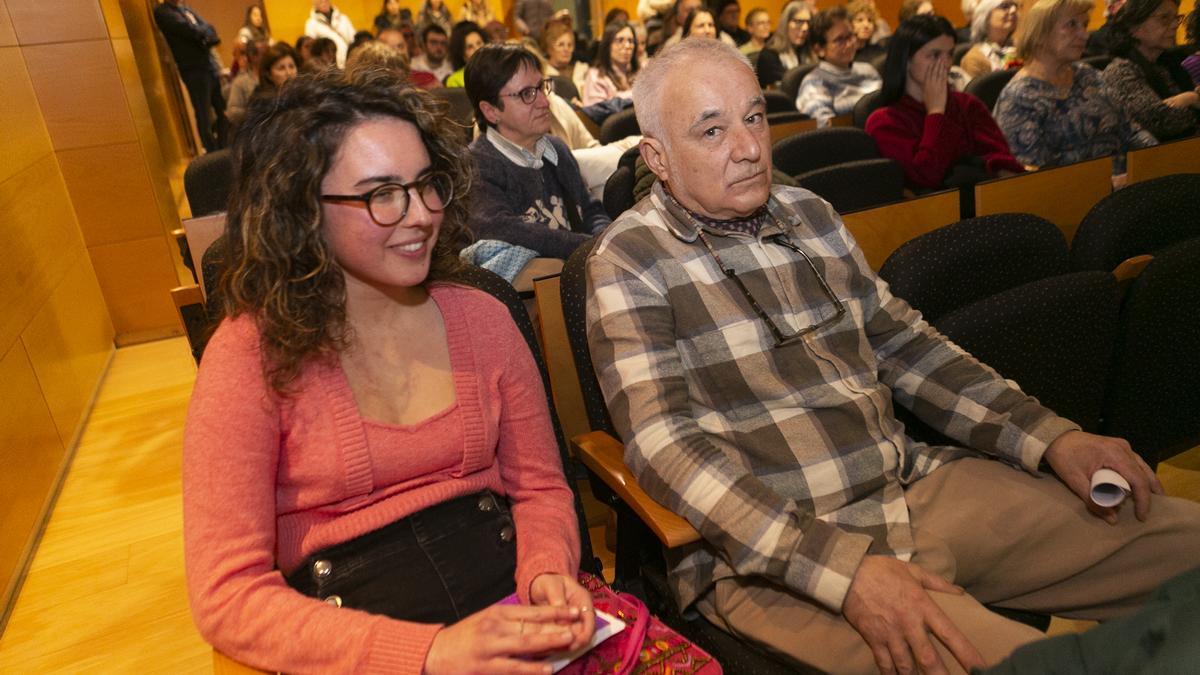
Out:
{"x": 712, "y": 132}
{"x": 754, "y": 118}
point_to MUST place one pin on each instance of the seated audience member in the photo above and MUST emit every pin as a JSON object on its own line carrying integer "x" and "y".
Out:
{"x": 992, "y": 29}
{"x": 466, "y": 39}
{"x": 354, "y": 397}
{"x": 243, "y": 86}
{"x": 478, "y": 12}
{"x": 412, "y": 46}
{"x": 558, "y": 45}
{"x": 611, "y": 75}
{"x": 530, "y": 192}
{"x": 728, "y": 14}
{"x": 322, "y": 55}
{"x": 434, "y": 12}
{"x": 1098, "y": 40}
{"x": 1144, "y": 78}
{"x": 962, "y": 34}
{"x": 863, "y": 21}
{"x": 276, "y": 66}
{"x": 750, "y": 359}
{"x": 681, "y": 11}
{"x": 377, "y": 55}
{"x": 883, "y": 30}
{"x": 758, "y": 27}
{"x": 836, "y": 84}
{"x": 1192, "y": 63}
{"x": 303, "y": 50}
{"x": 911, "y": 8}
{"x": 255, "y": 28}
{"x": 1055, "y": 110}
{"x": 389, "y": 16}
{"x": 434, "y": 58}
{"x": 392, "y": 37}
{"x": 789, "y": 47}
{"x": 362, "y": 37}
{"x": 530, "y": 16}
{"x": 325, "y": 21}
{"x": 941, "y": 137}
{"x": 700, "y": 23}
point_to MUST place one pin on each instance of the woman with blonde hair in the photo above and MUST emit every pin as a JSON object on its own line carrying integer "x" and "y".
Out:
{"x": 557, "y": 43}
{"x": 369, "y": 464}
{"x": 1055, "y": 110}
{"x": 789, "y": 46}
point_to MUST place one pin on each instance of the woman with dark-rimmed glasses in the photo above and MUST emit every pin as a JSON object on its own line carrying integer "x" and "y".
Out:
{"x": 369, "y": 463}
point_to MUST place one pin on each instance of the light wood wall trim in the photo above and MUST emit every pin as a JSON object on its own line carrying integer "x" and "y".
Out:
{"x": 8, "y": 36}
{"x": 136, "y": 277}
{"x": 81, "y": 94}
{"x": 25, "y": 139}
{"x": 112, "y": 193}
{"x": 42, "y": 22}
{"x": 37, "y": 243}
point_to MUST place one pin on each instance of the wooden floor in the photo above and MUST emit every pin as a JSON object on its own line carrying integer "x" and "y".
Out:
{"x": 106, "y": 592}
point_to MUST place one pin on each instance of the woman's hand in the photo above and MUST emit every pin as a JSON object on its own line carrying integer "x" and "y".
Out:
{"x": 494, "y": 639}
{"x": 557, "y": 590}
{"x": 1188, "y": 99}
{"x": 935, "y": 87}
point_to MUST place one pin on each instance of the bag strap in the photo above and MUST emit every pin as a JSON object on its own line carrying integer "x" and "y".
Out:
{"x": 636, "y": 635}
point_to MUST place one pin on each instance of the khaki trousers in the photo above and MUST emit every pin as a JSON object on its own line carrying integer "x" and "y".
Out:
{"x": 1009, "y": 539}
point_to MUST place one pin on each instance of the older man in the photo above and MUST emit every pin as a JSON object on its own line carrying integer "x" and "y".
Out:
{"x": 750, "y": 358}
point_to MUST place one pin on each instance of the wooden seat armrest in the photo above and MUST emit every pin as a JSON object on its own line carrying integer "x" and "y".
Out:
{"x": 1130, "y": 268}
{"x": 605, "y": 456}
{"x": 183, "y": 296}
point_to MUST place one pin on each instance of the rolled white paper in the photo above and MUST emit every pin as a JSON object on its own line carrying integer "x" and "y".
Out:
{"x": 1109, "y": 488}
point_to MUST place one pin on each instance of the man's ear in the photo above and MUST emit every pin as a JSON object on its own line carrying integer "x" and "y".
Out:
{"x": 654, "y": 154}
{"x": 490, "y": 112}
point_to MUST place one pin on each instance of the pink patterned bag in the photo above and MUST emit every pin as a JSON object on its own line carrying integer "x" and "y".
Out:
{"x": 647, "y": 646}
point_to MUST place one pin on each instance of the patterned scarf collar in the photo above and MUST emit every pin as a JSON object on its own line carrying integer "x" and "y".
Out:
{"x": 750, "y": 224}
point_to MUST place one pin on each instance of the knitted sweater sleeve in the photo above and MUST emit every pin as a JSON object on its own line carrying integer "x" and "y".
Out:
{"x": 986, "y": 138}
{"x": 240, "y": 602}
{"x": 1127, "y": 87}
{"x": 494, "y": 214}
{"x": 595, "y": 218}
{"x": 919, "y": 149}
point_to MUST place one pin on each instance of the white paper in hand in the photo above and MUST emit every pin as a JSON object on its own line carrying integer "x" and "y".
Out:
{"x": 1109, "y": 488}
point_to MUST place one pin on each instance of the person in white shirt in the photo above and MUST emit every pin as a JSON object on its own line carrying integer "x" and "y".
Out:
{"x": 327, "y": 22}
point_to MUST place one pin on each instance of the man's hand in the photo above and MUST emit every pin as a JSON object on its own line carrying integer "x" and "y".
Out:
{"x": 1076, "y": 455}
{"x": 887, "y": 605}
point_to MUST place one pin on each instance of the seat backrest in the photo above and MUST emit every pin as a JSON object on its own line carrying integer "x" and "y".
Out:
{"x": 619, "y": 125}
{"x": 820, "y": 148}
{"x": 1164, "y": 159}
{"x": 866, "y": 105}
{"x": 565, "y": 87}
{"x": 960, "y": 50}
{"x": 987, "y": 87}
{"x": 201, "y": 233}
{"x": 1152, "y": 398}
{"x": 970, "y": 260}
{"x": 208, "y": 181}
{"x": 879, "y": 231}
{"x": 778, "y": 102}
{"x": 497, "y": 287}
{"x": 790, "y": 84}
{"x": 459, "y": 107}
{"x": 1141, "y": 218}
{"x": 1062, "y": 195}
{"x": 1054, "y": 337}
{"x": 618, "y": 192}
{"x": 861, "y": 184}
{"x": 574, "y": 304}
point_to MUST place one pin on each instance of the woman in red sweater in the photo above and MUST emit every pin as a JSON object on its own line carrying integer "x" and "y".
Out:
{"x": 369, "y": 462}
{"x": 941, "y": 137}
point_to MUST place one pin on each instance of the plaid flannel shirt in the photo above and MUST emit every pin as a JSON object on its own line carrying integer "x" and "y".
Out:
{"x": 788, "y": 460}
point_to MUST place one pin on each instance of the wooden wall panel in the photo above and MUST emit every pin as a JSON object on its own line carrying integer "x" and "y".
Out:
{"x": 8, "y": 36}
{"x": 80, "y": 93}
{"x": 25, "y": 139}
{"x": 112, "y": 193}
{"x": 30, "y": 452}
{"x": 113, "y": 19}
{"x": 39, "y": 21}
{"x": 38, "y": 242}
{"x": 68, "y": 342}
{"x": 136, "y": 277}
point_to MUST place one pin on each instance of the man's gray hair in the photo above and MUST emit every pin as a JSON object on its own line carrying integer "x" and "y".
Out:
{"x": 648, "y": 88}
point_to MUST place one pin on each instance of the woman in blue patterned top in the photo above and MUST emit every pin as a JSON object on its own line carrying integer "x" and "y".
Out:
{"x": 1055, "y": 111}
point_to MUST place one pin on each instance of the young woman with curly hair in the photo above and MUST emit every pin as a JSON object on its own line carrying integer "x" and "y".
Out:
{"x": 369, "y": 463}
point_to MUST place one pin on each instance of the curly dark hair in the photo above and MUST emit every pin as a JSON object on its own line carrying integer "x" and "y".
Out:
{"x": 280, "y": 269}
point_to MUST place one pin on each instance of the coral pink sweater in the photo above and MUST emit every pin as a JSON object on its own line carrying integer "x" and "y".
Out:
{"x": 269, "y": 480}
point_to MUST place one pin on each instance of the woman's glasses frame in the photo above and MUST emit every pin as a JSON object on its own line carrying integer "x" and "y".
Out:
{"x": 439, "y": 181}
